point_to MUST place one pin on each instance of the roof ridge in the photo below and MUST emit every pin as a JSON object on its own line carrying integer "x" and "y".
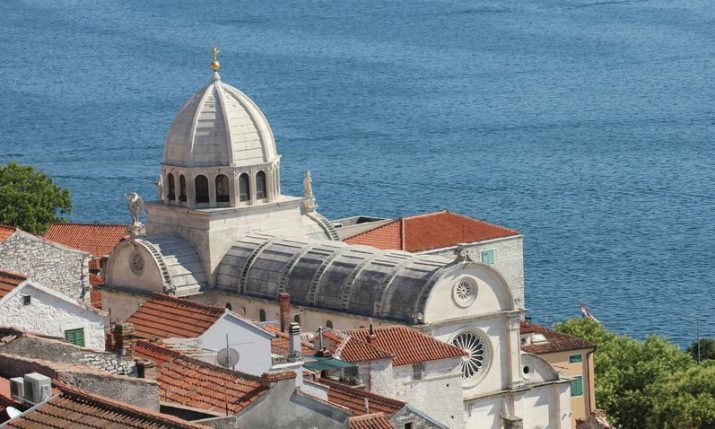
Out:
{"x": 472, "y": 219}
{"x": 374, "y": 229}
{"x": 345, "y": 387}
{"x": 188, "y": 303}
{"x": 434, "y": 213}
{"x": 87, "y": 224}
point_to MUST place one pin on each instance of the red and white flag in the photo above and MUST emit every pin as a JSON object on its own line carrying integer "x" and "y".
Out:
{"x": 587, "y": 314}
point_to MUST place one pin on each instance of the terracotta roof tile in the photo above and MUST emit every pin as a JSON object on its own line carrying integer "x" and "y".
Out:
{"x": 280, "y": 345}
{"x": 163, "y": 316}
{"x": 97, "y": 239}
{"x": 95, "y": 296}
{"x": 555, "y": 341}
{"x": 6, "y": 231}
{"x": 370, "y": 421}
{"x": 354, "y": 399}
{"x": 8, "y": 281}
{"x": 74, "y": 408}
{"x": 353, "y": 349}
{"x": 407, "y": 345}
{"x": 193, "y": 383}
{"x": 430, "y": 231}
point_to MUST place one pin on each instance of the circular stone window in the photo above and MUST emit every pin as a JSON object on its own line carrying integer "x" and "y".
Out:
{"x": 136, "y": 263}
{"x": 464, "y": 292}
{"x": 476, "y": 360}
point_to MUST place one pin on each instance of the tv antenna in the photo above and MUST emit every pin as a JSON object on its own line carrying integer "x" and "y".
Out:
{"x": 228, "y": 357}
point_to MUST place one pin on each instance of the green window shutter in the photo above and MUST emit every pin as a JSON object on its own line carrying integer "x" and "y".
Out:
{"x": 488, "y": 257}
{"x": 575, "y": 358}
{"x": 577, "y": 386}
{"x": 75, "y": 336}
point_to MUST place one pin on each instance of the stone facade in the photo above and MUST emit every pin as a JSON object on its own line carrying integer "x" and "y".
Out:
{"x": 49, "y": 313}
{"x": 508, "y": 260}
{"x": 53, "y": 265}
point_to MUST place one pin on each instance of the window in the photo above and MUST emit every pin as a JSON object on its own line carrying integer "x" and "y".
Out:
{"x": 261, "y": 185}
{"x": 202, "y": 189}
{"x": 329, "y": 324}
{"x": 474, "y": 345}
{"x": 26, "y": 300}
{"x": 408, "y": 425}
{"x": 182, "y": 188}
{"x": 172, "y": 188}
{"x": 417, "y": 370}
{"x": 577, "y": 386}
{"x": 75, "y": 336}
{"x": 296, "y": 318}
{"x": 262, "y": 315}
{"x": 243, "y": 188}
{"x": 488, "y": 257}
{"x": 222, "y": 189}
{"x": 575, "y": 358}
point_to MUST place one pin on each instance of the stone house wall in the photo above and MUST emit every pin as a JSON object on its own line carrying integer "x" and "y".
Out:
{"x": 60, "y": 268}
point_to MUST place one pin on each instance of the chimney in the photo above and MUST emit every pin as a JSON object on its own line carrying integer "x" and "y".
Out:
{"x": 367, "y": 405}
{"x": 146, "y": 368}
{"x": 295, "y": 343}
{"x": 123, "y": 338}
{"x": 284, "y": 306}
{"x": 371, "y": 335}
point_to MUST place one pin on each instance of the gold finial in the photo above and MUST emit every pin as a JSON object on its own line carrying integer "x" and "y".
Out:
{"x": 215, "y": 65}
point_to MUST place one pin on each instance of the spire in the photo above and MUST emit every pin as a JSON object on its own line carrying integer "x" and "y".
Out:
{"x": 215, "y": 64}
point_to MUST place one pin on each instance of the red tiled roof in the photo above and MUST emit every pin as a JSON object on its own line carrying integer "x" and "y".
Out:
{"x": 370, "y": 421}
{"x": 353, "y": 349}
{"x": 555, "y": 341}
{"x": 163, "y": 316}
{"x": 197, "y": 384}
{"x": 6, "y": 231}
{"x": 407, "y": 345}
{"x": 97, "y": 239}
{"x": 74, "y": 408}
{"x": 280, "y": 345}
{"x": 8, "y": 281}
{"x": 354, "y": 399}
{"x": 95, "y": 296}
{"x": 430, "y": 231}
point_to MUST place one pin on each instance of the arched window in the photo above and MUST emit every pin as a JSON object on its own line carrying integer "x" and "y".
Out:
{"x": 243, "y": 188}
{"x": 261, "y": 185}
{"x": 222, "y": 189}
{"x": 296, "y": 318}
{"x": 202, "y": 189}
{"x": 262, "y": 315}
{"x": 329, "y": 324}
{"x": 182, "y": 188}
{"x": 229, "y": 307}
{"x": 172, "y": 188}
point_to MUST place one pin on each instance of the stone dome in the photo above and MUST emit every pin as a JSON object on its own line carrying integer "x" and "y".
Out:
{"x": 219, "y": 126}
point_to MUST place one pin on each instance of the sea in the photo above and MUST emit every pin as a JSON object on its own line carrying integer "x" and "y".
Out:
{"x": 588, "y": 125}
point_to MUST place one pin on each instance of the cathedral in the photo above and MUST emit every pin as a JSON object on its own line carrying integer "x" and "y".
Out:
{"x": 222, "y": 232}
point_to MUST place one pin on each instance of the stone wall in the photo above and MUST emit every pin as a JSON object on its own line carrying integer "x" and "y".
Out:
{"x": 48, "y": 314}
{"x": 50, "y": 264}
{"x": 135, "y": 391}
{"x": 58, "y": 351}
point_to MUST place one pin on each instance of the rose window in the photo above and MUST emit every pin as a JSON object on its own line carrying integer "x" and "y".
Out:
{"x": 474, "y": 346}
{"x": 464, "y": 292}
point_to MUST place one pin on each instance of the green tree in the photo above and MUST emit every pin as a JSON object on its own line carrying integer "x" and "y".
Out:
{"x": 29, "y": 199}
{"x": 629, "y": 371}
{"x": 685, "y": 399}
{"x": 707, "y": 349}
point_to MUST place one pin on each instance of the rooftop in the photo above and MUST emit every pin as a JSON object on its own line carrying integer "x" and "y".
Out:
{"x": 354, "y": 399}
{"x": 74, "y": 408}
{"x": 280, "y": 344}
{"x": 370, "y": 421}
{"x": 6, "y": 231}
{"x": 555, "y": 341}
{"x": 430, "y": 231}
{"x": 193, "y": 383}
{"x": 407, "y": 345}
{"x": 8, "y": 281}
{"x": 97, "y": 239}
{"x": 163, "y": 316}
{"x": 353, "y": 349}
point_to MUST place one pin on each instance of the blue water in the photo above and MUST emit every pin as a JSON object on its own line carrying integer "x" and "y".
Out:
{"x": 587, "y": 125}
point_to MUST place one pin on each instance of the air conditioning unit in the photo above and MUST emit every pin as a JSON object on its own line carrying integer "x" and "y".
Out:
{"x": 37, "y": 387}
{"x": 17, "y": 390}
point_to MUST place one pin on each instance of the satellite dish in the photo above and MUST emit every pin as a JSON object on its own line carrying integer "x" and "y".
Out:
{"x": 12, "y": 412}
{"x": 227, "y": 358}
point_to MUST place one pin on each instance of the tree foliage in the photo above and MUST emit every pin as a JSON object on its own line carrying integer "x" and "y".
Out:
{"x": 29, "y": 199}
{"x": 650, "y": 383}
{"x": 707, "y": 349}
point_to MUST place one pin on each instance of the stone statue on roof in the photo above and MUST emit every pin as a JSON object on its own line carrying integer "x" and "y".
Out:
{"x": 136, "y": 207}
{"x": 160, "y": 186}
{"x": 309, "y": 204}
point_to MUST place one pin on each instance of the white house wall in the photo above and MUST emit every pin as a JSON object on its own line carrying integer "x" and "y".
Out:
{"x": 50, "y": 315}
{"x": 254, "y": 348}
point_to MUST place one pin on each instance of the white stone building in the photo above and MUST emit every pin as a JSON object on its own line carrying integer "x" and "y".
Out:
{"x": 222, "y": 233}
{"x": 32, "y": 307}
